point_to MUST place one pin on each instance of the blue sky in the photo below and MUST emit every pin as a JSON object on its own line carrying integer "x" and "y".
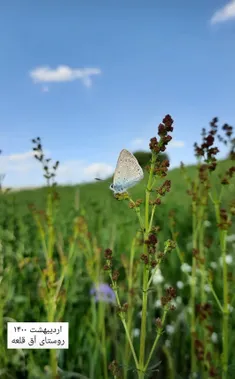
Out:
{"x": 93, "y": 77}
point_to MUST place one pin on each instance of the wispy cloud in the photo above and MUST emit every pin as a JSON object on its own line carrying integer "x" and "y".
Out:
{"x": 22, "y": 170}
{"x": 17, "y": 164}
{"x": 45, "y": 74}
{"x": 101, "y": 170}
{"x": 77, "y": 171}
{"x": 18, "y": 157}
{"x": 224, "y": 14}
{"x": 176, "y": 143}
{"x": 139, "y": 143}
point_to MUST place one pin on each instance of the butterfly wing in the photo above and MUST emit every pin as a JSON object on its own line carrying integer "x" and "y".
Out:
{"x": 127, "y": 173}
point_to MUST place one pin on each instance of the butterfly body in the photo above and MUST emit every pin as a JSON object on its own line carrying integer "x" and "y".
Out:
{"x": 127, "y": 173}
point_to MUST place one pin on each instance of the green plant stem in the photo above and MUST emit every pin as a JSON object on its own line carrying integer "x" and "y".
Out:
{"x": 67, "y": 267}
{"x": 103, "y": 338}
{"x": 42, "y": 235}
{"x": 53, "y": 358}
{"x": 169, "y": 362}
{"x": 143, "y": 318}
{"x": 145, "y": 273}
{"x": 223, "y": 235}
{"x": 51, "y": 234}
{"x": 225, "y": 312}
{"x": 137, "y": 210}
{"x": 215, "y": 296}
{"x": 51, "y": 306}
{"x": 159, "y": 332}
{"x": 203, "y": 294}
{"x": 114, "y": 287}
{"x": 193, "y": 293}
{"x": 202, "y": 262}
{"x": 130, "y": 309}
{"x": 152, "y": 215}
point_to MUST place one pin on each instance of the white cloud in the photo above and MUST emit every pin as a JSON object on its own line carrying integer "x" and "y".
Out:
{"x": 45, "y": 74}
{"x": 175, "y": 143}
{"x": 100, "y": 170}
{"x": 22, "y": 170}
{"x": 18, "y": 157}
{"x": 137, "y": 142}
{"x": 18, "y": 164}
{"x": 140, "y": 143}
{"x": 77, "y": 171}
{"x": 16, "y": 167}
{"x": 225, "y": 13}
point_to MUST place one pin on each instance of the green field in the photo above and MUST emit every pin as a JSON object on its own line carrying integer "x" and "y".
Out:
{"x": 50, "y": 260}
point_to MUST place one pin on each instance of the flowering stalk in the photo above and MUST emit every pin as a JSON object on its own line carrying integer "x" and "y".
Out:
{"x": 203, "y": 296}
{"x": 156, "y": 169}
{"x": 193, "y": 292}
{"x": 208, "y": 151}
{"x": 122, "y": 311}
{"x": 223, "y": 225}
{"x": 49, "y": 290}
{"x": 130, "y": 278}
{"x": 156, "y": 147}
{"x": 159, "y": 332}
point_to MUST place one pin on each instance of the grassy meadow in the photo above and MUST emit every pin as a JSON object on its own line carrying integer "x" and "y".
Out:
{"x": 169, "y": 262}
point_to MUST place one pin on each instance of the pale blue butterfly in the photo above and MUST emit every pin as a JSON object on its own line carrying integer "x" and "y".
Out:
{"x": 127, "y": 173}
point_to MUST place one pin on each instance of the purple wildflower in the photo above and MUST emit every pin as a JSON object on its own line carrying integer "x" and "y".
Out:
{"x": 103, "y": 292}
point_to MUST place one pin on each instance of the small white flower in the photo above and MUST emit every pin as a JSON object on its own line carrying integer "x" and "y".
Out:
{"x": 180, "y": 284}
{"x": 189, "y": 309}
{"x": 168, "y": 343}
{"x": 157, "y": 277}
{"x": 192, "y": 280}
{"x": 213, "y": 265}
{"x": 170, "y": 329}
{"x": 181, "y": 317}
{"x": 158, "y": 304}
{"x": 136, "y": 332}
{"x": 186, "y": 268}
{"x": 207, "y": 288}
{"x": 230, "y": 238}
{"x": 214, "y": 337}
{"x": 230, "y": 308}
{"x": 207, "y": 223}
{"x": 140, "y": 313}
{"x": 178, "y": 300}
{"x": 228, "y": 260}
{"x": 166, "y": 285}
{"x": 194, "y": 375}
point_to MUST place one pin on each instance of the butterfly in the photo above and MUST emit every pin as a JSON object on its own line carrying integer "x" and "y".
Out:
{"x": 127, "y": 173}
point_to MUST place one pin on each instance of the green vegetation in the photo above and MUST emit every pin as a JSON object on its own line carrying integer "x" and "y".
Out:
{"x": 55, "y": 241}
